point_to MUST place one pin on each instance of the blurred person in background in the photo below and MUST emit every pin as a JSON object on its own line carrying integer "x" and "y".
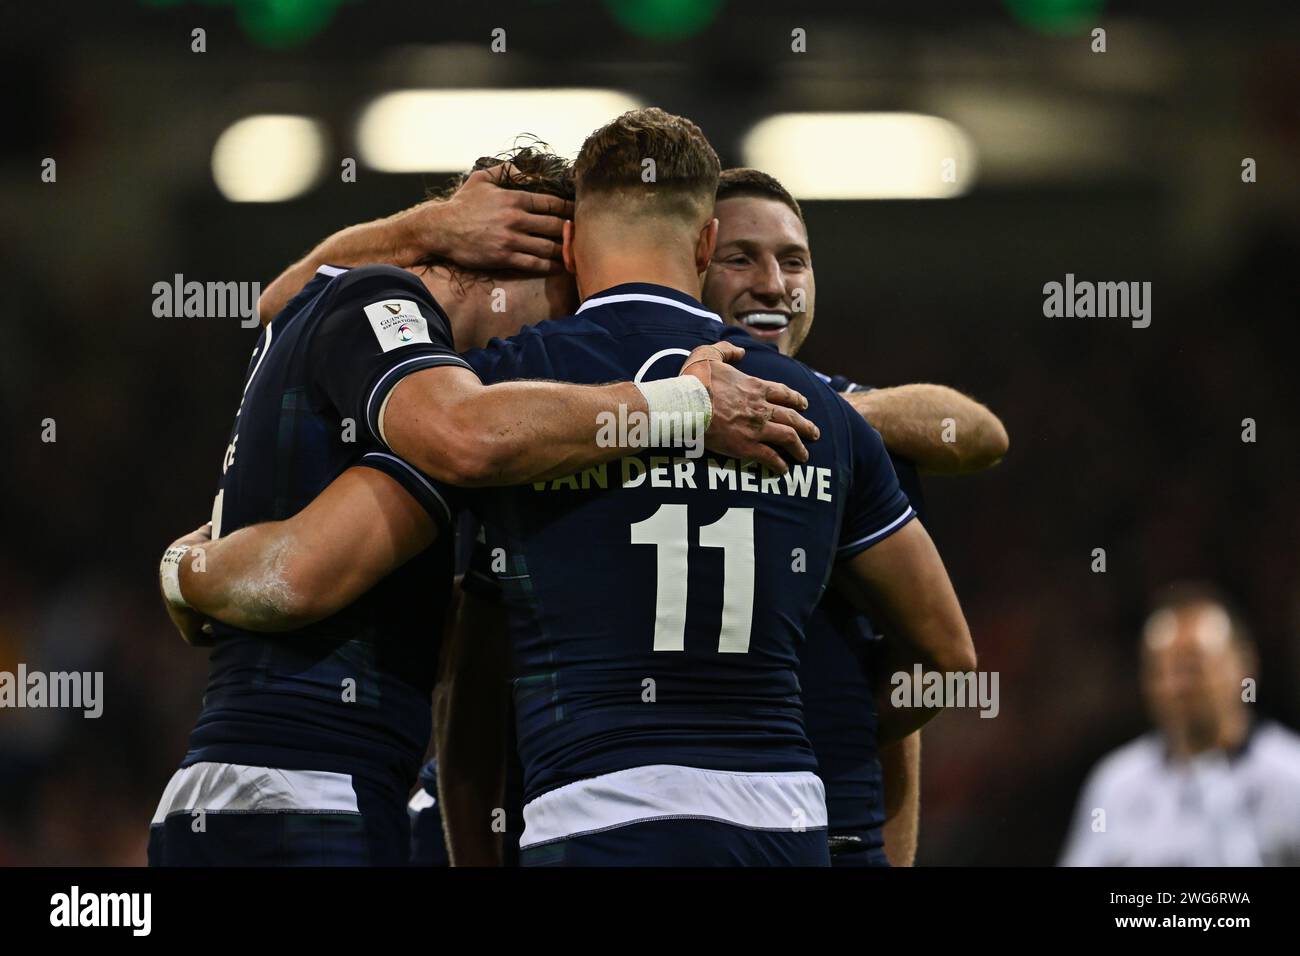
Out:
{"x": 1212, "y": 785}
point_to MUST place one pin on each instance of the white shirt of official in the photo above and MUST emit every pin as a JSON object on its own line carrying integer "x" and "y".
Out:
{"x": 1141, "y": 808}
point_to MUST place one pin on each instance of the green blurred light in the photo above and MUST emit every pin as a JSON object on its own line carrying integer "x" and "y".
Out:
{"x": 285, "y": 23}
{"x": 1058, "y": 17}
{"x": 273, "y": 23}
{"x": 664, "y": 19}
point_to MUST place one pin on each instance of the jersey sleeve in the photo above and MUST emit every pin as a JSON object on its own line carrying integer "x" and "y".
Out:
{"x": 379, "y": 326}
{"x": 840, "y": 383}
{"x": 876, "y": 506}
{"x": 908, "y": 477}
{"x": 845, "y": 385}
{"x": 437, "y": 499}
{"x": 909, "y": 480}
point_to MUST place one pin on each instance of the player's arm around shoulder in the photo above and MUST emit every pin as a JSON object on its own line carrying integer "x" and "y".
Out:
{"x": 284, "y": 575}
{"x": 943, "y": 431}
{"x": 513, "y": 431}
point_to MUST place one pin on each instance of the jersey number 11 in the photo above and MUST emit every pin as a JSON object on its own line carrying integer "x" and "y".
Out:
{"x": 667, "y": 530}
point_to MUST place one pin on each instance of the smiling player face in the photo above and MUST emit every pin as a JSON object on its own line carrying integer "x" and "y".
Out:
{"x": 761, "y": 275}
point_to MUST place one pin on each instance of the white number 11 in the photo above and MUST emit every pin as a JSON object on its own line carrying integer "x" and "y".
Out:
{"x": 667, "y": 530}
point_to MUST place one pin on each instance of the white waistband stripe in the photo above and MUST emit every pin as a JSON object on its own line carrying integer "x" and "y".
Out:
{"x": 757, "y": 801}
{"x": 235, "y": 788}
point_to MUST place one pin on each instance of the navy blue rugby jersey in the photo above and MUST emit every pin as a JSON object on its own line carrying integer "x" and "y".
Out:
{"x": 349, "y": 693}
{"x": 837, "y": 672}
{"x": 657, "y": 603}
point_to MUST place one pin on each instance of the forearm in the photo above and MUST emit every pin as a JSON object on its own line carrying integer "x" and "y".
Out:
{"x": 939, "y": 429}
{"x": 390, "y": 241}
{"x": 902, "y": 586}
{"x": 543, "y": 430}
{"x": 899, "y": 714}
{"x": 283, "y": 575}
{"x": 240, "y": 579}
{"x": 514, "y": 432}
{"x": 900, "y": 764}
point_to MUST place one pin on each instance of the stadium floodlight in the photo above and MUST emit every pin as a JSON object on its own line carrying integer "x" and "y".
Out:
{"x": 268, "y": 158}
{"x": 440, "y": 131}
{"x": 863, "y": 155}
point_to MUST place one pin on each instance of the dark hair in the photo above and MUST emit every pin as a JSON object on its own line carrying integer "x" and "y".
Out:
{"x": 743, "y": 181}
{"x": 535, "y": 169}
{"x": 686, "y": 166}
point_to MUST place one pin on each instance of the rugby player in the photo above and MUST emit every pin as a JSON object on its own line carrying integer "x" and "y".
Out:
{"x": 308, "y": 743}
{"x": 566, "y": 771}
{"x": 762, "y": 268}
{"x": 717, "y": 769}
{"x": 761, "y": 278}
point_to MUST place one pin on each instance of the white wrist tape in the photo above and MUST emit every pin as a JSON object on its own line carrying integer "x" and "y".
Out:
{"x": 169, "y": 572}
{"x": 676, "y": 404}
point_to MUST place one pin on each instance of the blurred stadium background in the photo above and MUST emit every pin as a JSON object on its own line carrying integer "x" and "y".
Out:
{"x": 1117, "y": 166}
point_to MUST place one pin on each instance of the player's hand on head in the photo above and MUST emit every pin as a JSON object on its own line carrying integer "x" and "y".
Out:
{"x": 485, "y": 226}
{"x": 753, "y": 419}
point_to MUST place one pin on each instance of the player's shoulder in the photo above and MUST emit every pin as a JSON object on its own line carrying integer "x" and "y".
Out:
{"x": 363, "y": 277}
{"x": 840, "y": 383}
{"x": 551, "y": 336}
{"x": 1128, "y": 766}
{"x": 767, "y": 361}
{"x": 374, "y": 286}
{"x": 1277, "y": 747}
{"x": 578, "y": 325}
{"x": 571, "y": 348}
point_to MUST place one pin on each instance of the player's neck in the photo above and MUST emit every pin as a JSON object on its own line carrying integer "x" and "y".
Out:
{"x": 657, "y": 268}
{"x": 1226, "y": 734}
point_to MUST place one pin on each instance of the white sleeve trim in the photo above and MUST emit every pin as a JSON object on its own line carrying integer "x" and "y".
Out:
{"x": 388, "y": 381}
{"x": 876, "y": 534}
{"x": 419, "y": 477}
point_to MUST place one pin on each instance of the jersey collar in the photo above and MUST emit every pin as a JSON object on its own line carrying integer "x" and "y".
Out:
{"x": 649, "y": 292}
